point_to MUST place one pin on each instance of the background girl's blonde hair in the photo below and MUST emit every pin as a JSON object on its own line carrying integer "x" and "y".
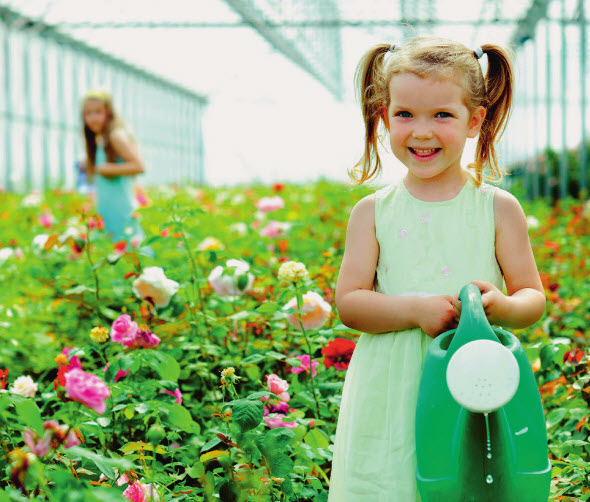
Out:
{"x": 113, "y": 121}
{"x": 439, "y": 58}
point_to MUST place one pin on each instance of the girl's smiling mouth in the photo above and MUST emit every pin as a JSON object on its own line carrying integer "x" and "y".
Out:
{"x": 424, "y": 153}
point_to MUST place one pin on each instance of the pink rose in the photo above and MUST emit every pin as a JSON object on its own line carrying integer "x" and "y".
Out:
{"x": 87, "y": 389}
{"x": 267, "y": 204}
{"x": 305, "y": 365}
{"x": 134, "y": 492}
{"x": 46, "y": 219}
{"x": 278, "y": 386}
{"x": 146, "y": 339}
{"x": 62, "y": 433}
{"x": 74, "y": 361}
{"x": 277, "y": 421}
{"x": 273, "y": 229}
{"x": 120, "y": 374}
{"x": 123, "y": 329}
{"x": 281, "y": 407}
{"x": 38, "y": 446}
{"x": 177, "y": 394}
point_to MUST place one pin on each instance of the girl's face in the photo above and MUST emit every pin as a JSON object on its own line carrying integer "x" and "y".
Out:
{"x": 95, "y": 115}
{"x": 428, "y": 124}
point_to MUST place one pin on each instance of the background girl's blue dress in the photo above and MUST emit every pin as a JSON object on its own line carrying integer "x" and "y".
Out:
{"x": 425, "y": 248}
{"x": 115, "y": 202}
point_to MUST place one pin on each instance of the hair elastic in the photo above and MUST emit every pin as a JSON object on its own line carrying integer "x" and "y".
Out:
{"x": 391, "y": 47}
{"x": 478, "y": 52}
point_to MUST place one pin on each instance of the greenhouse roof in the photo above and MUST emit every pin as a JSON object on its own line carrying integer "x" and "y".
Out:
{"x": 202, "y": 44}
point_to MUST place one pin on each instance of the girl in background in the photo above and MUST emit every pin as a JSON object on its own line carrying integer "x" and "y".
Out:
{"x": 112, "y": 162}
{"x": 412, "y": 246}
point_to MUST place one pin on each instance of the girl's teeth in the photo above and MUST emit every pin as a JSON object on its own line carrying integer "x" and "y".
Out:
{"x": 424, "y": 153}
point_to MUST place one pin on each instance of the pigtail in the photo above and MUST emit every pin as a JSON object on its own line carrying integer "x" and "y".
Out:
{"x": 498, "y": 86}
{"x": 368, "y": 85}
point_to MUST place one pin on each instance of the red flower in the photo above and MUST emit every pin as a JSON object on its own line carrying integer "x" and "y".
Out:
{"x": 573, "y": 356}
{"x": 552, "y": 245}
{"x": 338, "y": 353}
{"x": 277, "y": 187}
{"x": 120, "y": 247}
{"x": 3, "y": 377}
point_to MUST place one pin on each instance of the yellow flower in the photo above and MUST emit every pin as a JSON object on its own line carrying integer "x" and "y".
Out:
{"x": 228, "y": 371}
{"x": 228, "y": 376}
{"x": 292, "y": 271}
{"x": 99, "y": 334}
{"x": 61, "y": 359}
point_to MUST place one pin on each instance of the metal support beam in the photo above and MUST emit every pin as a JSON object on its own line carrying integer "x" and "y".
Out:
{"x": 329, "y": 75}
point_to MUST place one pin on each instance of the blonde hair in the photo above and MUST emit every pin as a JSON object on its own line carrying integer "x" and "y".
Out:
{"x": 441, "y": 58}
{"x": 112, "y": 122}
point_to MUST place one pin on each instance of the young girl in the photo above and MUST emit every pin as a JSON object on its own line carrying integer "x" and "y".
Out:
{"x": 411, "y": 246}
{"x": 112, "y": 161}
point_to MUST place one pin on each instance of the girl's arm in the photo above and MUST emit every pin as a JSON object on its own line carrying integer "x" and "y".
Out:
{"x": 126, "y": 149}
{"x": 363, "y": 309}
{"x": 525, "y": 302}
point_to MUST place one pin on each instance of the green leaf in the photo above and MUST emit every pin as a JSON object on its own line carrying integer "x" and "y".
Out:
{"x": 555, "y": 416}
{"x": 280, "y": 465}
{"x": 196, "y": 471}
{"x": 276, "y": 355}
{"x": 180, "y": 417}
{"x": 103, "y": 463}
{"x": 258, "y": 395}
{"x": 276, "y": 439}
{"x": 30, "y": 415}
{"x": 167, "y": 367}
{"x": 268, "y": 308}
{"x": 242, "y": 281}
{"x": 247, "y": 414}
{"x": 316, "y": 439}
{"x": 252, "y": 359}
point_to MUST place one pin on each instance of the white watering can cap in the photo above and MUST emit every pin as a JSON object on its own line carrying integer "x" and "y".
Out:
{"x": 483, "y": 376}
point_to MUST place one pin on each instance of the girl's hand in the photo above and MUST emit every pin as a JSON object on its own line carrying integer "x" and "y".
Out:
{"x": 494, "y": 302}
{"x": 437, "y": 315}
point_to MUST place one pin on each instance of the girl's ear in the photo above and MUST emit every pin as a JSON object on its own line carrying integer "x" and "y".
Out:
{"x": 476, "y": 121}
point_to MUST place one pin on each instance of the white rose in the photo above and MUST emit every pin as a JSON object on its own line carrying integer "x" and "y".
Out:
{"x": 532, "y": 222}
{"x": 38, "y": 243}
{"x": 24, "y": 386}
{"x": 153, "y": 286}
{"x": 33, "y": 199}
{"x": 292, "y": 271}
{"x": 240, "y": 228}
{"x": 316, "y": 311}
{"x": 70, "y": 232}
{"x": 233, "y": 282}
{"x": 210, "y": 244}
{"x": 5, "y": 253}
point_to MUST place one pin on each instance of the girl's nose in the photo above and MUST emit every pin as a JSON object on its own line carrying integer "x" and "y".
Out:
{"x": 422, "y": 131}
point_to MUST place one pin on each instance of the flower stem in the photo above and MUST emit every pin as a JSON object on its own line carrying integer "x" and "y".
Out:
{"x": 193, "y": 281}
{"x": 94, "y": 273}
{"x": 299, "y": 307}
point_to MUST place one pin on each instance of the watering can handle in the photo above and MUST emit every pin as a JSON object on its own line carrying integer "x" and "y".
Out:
{"x": 473, "y": 324}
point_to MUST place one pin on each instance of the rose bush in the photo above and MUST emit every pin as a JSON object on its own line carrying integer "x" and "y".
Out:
{"x": 187, "y": 407}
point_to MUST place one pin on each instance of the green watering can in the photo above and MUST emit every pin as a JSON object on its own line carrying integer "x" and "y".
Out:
{"x": 480, "y": 427}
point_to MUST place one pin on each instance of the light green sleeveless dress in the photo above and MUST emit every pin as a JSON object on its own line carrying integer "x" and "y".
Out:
{"x": 115, "y": 202}
{"x": 426, "y": 248}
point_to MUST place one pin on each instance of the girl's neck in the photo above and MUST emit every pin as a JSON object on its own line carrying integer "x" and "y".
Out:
{"x": 445, "y": 187}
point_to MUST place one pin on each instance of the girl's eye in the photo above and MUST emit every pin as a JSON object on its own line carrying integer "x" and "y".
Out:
{"x": 403, "y": 114}
{"x": 443, "y": 115}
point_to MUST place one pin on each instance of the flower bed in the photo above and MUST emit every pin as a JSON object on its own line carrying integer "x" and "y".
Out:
{"x": 211, "y": 367}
